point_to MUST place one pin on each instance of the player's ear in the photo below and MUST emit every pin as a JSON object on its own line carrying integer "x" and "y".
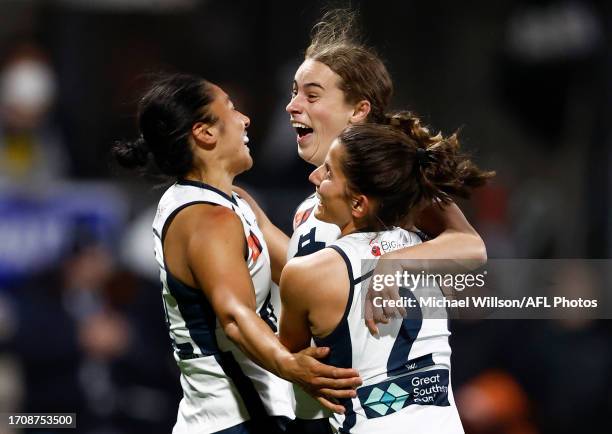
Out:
{"x": 205, "y": 135}
{"x": 361, "y": 110}
{"x": 360, "y": 206}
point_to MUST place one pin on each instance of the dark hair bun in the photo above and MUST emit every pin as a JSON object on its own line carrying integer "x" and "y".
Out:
{"x": 132, "y": 154}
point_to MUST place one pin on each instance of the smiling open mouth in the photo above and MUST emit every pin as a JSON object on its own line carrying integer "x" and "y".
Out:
{"x": 301, "y": 129}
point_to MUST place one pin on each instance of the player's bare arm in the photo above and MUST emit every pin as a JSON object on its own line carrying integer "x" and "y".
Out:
{"x": 313, "y": 303}
{"x": 453, "y": 236}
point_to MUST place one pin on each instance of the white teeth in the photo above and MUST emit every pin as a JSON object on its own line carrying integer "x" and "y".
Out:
{"x": 299, "y": 125}
{"x": 245, "y": 139}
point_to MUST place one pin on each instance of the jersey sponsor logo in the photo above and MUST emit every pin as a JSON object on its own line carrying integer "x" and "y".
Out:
{"x": 254, "y": 246}
{"x": 301, "y": 217}
{"x": 381, "y": 247}
{"x": 376, "y": 250}
{"x": 391, "y": 396}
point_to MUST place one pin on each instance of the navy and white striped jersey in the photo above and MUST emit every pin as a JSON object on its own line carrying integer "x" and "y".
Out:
{"x": 221, "y": 386}
{"x": 309, "y": 236}
{"x": 406, "y": 369}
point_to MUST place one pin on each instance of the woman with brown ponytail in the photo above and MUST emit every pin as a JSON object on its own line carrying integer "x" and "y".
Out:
{"x": 374, "y": 180}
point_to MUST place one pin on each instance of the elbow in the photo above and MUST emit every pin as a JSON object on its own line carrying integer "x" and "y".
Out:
{"x": 232, "y": 331}
{"x": 230, "y": 321}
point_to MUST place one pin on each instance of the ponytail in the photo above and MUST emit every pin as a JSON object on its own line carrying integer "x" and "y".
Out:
{"x": 132, "y": 154}
{"x": 166, "y": 114}
{"x": 444, "y": 170}
{"x": 405, "y": 167}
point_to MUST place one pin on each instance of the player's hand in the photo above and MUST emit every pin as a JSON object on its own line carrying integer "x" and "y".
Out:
{"x": 325, "y": 383}
{"x": 376, "y": 310}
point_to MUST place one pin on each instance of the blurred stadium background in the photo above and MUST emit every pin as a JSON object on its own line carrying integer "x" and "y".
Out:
{"x": 529, "y": 82}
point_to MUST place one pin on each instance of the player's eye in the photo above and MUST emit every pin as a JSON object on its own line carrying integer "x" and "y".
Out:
{"x": 327, "y": 172}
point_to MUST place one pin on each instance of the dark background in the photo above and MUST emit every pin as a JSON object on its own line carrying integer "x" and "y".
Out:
{"x": 528, "y": 83}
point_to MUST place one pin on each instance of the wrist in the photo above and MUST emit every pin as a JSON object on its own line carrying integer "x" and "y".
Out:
{"x": 284, "y": 363}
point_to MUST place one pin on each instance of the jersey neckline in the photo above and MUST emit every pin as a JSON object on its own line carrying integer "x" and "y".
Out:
{"x": 207, "y": 187}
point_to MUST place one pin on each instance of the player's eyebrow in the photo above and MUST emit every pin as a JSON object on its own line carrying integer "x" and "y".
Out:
{"x": 314, "y": 84}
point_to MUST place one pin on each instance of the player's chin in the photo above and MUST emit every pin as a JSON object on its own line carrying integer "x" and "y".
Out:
{"x": 306, "y": 151}
{"x": 321, "y": 214}
{"x": 245, "y": 164}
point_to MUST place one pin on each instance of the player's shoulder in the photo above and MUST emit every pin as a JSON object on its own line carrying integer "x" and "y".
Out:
{"x": 316, "y": 269}
{"x": 317, "y": 259}
{"x": 315, "y": 265}
{"x": 206, "y": 218}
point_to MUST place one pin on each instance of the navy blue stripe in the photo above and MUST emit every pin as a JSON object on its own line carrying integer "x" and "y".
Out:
{"x": 339, "y": 340}
{"x": 245, "y": 386}
{"x": 413, "y": 364}
{"x": 267, "y": 313}
{"x": 199, "y": 317}
{"x": 242, "y": 428}
{"x": 408, "y": 332}
{"x": 207, "y": 187}
{"x": 364, "y": 277}
{"x": 350, "y": 418}
{"x": 340, "y": 344}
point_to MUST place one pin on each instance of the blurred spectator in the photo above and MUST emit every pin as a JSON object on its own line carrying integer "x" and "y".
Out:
{"x": 494, "y": 403}
{"x": 31, "y": 146}
{"x": 86, "y": 333}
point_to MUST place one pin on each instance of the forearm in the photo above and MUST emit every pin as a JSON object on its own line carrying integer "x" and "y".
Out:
{"x": 255, "y": 338}
{"x": 450, "y": 245}
{"x": 455, "y": 239}
{"x": 437, "y": 219}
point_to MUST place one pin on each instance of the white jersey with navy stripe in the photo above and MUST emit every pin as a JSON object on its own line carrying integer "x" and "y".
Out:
{"x": 221, "y": 386}
{"x": 309, "y": 236}
{"x": 406, "y": 369}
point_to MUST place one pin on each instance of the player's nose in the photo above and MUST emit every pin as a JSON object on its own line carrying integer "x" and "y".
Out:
{"x": 294, "y": 106}
{"x": 317, "y": 175}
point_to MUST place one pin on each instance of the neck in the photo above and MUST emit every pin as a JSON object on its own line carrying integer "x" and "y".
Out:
{"x": 220, "y": 180}
{"x": 349, "y": 228}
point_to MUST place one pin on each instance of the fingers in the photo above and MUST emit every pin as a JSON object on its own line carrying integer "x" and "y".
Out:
{"x": 337, "y": 383}
{"x": 402, "y": 312}
{"x": 316, "y": 352}
{"x": 371, "y": 325}
{"x": 336, "y": 408}
{"x": 332, "y": 372}
{"x": 391, "y": 312}
{"x": 381, "y": 318}
{"x": 338, "y": 394}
